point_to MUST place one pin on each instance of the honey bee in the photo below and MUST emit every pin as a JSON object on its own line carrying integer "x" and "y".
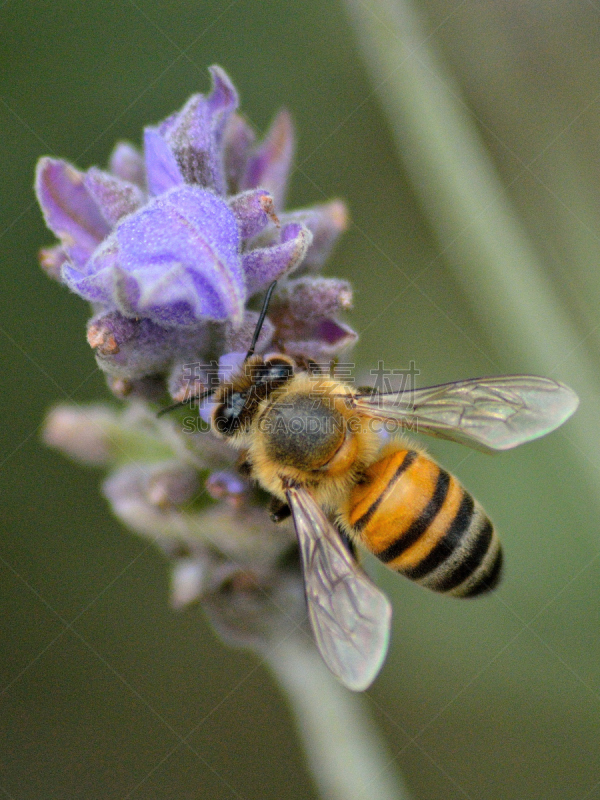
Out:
{"x": 315, "y": 444}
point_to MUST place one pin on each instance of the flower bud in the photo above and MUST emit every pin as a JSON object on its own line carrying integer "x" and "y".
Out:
{"x": 82, "y": 433}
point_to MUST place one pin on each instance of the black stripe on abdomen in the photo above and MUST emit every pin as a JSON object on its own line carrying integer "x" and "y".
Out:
{"x": 489, "y": 580}
{"x": 448, "y": 543}
{"x": 406, "y": 462}
{"x": 418, "y": 527}
{"x": 464, "y": 568}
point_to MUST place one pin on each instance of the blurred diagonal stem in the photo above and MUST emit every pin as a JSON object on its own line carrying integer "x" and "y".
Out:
{"x": 470, "y": 212}
{"x": 345, "y": 753}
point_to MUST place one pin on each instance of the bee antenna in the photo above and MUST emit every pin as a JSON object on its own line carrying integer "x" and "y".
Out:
{"x": 261, "y": 319}
{"x": 181, "y": 403}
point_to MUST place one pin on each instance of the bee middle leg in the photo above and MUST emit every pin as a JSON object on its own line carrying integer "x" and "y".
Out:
{"x": 348, "y": 544}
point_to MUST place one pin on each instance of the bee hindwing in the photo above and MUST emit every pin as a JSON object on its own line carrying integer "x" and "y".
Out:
{"x": 350, "y": 616}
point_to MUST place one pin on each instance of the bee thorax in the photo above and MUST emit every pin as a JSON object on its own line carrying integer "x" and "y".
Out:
{"x": 302, "y": 431}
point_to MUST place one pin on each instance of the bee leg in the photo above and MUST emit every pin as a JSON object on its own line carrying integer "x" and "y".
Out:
{"x": 349, "y": 544}
{"x": 244, "y": 466}
{"x": 278, "y": 511}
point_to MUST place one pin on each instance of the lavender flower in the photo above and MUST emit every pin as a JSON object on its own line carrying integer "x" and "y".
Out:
{"x": 170, "y": 247}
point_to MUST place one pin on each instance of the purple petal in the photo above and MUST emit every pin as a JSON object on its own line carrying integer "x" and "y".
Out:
{"x": 126, "y": 162}
{"x": 229, "y": 364}
{"x": 167, "y": 124}
{"x": 164, "y": 295}
{"x": 179, "y": 260}
{"x": 222, "y": 101}
{"x": 162, "y": 170}
{"x": 332, "y": 333}
{"x": 324, "y": 342}
{"x": 195, "y": 137}
{"x": 95, "y": 289}
{"x": 266, "y": 264}
{"x": 253, "y": 211}
{"x": 115, "y": 197}
{"x": 69, "y": 210}
{"x": 95, "y": 281}
{"x": 269, "y": 166}
{"x": 326, "y": 222}
{"x": 194, "y": 147}
{"x": 238, "y": 138}
{"x": 304, "y": 310}
{"x": 228, "y": 487}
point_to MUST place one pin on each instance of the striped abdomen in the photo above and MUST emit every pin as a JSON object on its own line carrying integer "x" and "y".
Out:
{"x": 419, "y": 520}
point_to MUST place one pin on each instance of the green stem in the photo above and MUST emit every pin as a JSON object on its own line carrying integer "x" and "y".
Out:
{"x": 345, "y": 753}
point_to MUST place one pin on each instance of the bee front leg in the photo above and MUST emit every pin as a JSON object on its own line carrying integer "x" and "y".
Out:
{"x": 278, "y": 510}
{"x": 244, "y": 465}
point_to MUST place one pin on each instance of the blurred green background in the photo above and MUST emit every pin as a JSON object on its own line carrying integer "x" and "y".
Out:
{"x": 495, "y": 698}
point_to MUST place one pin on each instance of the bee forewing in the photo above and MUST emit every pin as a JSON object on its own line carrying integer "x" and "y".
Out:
{"x": 486, "y": 413}
{"x": 349, "y": 615}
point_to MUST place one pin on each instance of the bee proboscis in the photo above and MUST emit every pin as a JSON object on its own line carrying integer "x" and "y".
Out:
{"x": 311, "y": 443}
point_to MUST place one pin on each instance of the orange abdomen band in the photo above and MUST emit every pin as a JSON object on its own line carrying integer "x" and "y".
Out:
{"x": 419, "y": 520}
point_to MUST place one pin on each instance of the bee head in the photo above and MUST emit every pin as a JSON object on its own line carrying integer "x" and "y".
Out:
{"x": 238, "y": 400}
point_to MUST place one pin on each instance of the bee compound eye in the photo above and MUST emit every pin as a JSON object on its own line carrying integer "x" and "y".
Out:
{"x": 227, "y": 416}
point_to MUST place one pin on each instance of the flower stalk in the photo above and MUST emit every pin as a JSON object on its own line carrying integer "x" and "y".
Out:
{"x": 172, "y": 247}
{"x": 345, "y": 752}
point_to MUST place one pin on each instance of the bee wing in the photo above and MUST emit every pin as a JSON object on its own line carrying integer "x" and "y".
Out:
{"x": 349, "y": 615}
{"x": 485, "y": 413}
